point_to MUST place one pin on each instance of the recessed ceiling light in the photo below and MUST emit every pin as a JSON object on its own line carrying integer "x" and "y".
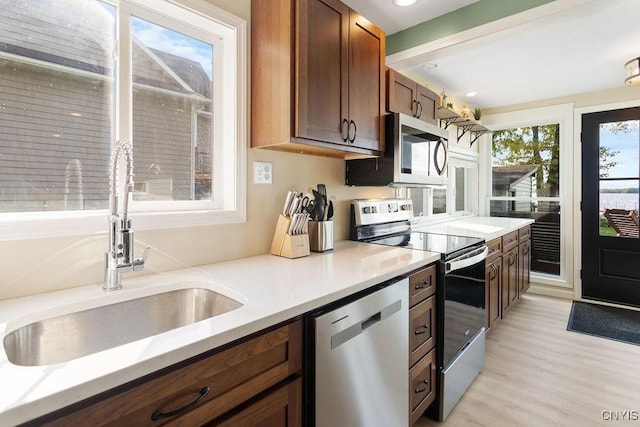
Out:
{"x": 471, "y": 94}
{"x": 404, "y": 3}
{"x": 429, "y": 66}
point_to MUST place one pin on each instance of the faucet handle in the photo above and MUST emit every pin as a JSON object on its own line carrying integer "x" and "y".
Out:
{"x": 138, "y": 263}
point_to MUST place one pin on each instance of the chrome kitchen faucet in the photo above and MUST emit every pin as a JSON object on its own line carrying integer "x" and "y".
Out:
{"x": 120, "y": 257}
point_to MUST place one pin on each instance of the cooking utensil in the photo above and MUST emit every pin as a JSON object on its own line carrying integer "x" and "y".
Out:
{"x": 330, "y": 210}
{"x": 319, "y": 206}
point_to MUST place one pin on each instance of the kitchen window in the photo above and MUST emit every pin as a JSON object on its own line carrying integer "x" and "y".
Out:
{"x": 527, "y": 165}
{"x": 170, "y": 77}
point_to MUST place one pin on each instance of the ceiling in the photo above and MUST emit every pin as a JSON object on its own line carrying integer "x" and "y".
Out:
{"x": 563, "y": 48}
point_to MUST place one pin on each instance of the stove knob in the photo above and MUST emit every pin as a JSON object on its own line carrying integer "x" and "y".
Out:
{"x": 374, "y": 209}
{"x": 367, "y": 209}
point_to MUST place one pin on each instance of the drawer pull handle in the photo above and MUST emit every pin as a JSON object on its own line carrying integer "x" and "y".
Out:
{"x": 422, "y": 330}
{"x": 426, "y": 284}
{"x": 157, "y": 414}
{"x": 424, "y": 387}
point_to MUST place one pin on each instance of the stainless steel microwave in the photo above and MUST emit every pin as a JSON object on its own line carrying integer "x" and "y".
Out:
{"x": 415, "y": 154}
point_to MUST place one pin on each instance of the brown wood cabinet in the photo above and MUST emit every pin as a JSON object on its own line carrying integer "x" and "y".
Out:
{"x": 422, "y": 340}
{"x": 318, "y": 83}
{"x": 404, "y": 95}
{"x": 524, "y": 260}
{"x": 493, "y": 291}
{"x": 255, "y": 381}
{"x": 508, "y": 270}
{"x": 509, "y": 278}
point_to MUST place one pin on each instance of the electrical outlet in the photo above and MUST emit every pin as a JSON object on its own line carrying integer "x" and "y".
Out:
{"x": 262, "y": 172}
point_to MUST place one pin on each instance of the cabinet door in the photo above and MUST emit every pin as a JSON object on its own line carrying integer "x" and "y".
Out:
{"x": 509, "y": 278}
{"x": 366, "y": 83}
{"x": 524, "y": 266}
{"x": 322, "y": 75}
{"x": 422, "y": 336}
{"x": 401, "y": 93}
{"x": 426, "y": 104}
{"x": 422, "y": 380}
{"x": 280, "y": 408}
{"x": 197, "y": 391}
{"x": 493, "y": 292}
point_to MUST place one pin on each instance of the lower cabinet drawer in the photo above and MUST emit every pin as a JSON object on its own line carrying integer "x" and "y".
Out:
{"x": 422, "y": 380}
{"x": 199, "y": 390}
{"x": 422, "y": 323}
{"x": 422, "y": 284}
{"x": 280, "y": 408}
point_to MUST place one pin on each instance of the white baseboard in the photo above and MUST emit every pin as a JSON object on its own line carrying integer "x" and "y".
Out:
{"x": 551, "y": 291}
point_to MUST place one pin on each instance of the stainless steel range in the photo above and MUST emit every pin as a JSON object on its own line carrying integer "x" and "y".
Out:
{"x": 460, "y": 291}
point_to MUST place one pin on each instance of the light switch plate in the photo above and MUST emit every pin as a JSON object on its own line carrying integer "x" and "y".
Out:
{"x": 262, "y": 172}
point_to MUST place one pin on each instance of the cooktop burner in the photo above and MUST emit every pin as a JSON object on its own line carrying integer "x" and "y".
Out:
{"x": 446, "y": 244}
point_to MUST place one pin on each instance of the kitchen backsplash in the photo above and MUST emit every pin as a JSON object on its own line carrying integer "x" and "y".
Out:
{"x": 35, "y": 266}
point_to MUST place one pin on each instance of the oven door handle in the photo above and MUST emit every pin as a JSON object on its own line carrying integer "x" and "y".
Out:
{"x": 467, "y": 259}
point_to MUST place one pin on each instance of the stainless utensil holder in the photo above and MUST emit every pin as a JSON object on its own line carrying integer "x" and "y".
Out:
{"x": 321, "y": 236}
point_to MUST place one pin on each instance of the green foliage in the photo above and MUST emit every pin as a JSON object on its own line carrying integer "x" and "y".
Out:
{"x": 535, "y": 145}
{"x": 477, "y": 113}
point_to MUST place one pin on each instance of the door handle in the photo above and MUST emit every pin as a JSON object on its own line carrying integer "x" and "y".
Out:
{"x": 422, "y": 330}
{"x": 355, "y": 131}
{"x": 422, "y": 388}
{"x": 158, "y": 414}
{"x": 424, "y": 285}
{"x": 419, "y": 112}
{"x": 343, "y": 134}
{"x": 414, "y": 106}
{"x": 439, "y": 167}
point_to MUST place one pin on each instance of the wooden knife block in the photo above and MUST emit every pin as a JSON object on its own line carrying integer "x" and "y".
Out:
{"x": 286, "y": 245}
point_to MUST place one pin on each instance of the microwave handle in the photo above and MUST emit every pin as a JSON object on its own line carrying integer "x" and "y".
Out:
{"x": 440, "y": 168}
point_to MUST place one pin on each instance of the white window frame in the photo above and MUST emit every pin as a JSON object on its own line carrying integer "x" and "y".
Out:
{"x": 564, "y": 115}
{"x": 229, "y": 157}
{"x": 467, "y": 159}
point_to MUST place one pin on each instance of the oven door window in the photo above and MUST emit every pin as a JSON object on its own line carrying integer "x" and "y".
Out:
{"x": 464, "y": 294}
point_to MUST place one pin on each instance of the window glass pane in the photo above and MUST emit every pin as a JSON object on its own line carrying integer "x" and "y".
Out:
{"x": 618, "y": 209}
{"x": 56, "y": 92}
{"x": 619, "y": 161}
{"x": 439, "y": 200}
{"x": 526, "y": 167}
{"x": 545, "y": 231}
{"x": 526, "y": 161}
{"x": 172, "y": 114}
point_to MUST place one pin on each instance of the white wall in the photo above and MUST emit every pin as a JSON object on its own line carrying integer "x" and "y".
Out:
{"x": 41, "y": 265}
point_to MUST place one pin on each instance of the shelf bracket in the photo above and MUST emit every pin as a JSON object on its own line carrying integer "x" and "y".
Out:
{"x": 475, "y": 135}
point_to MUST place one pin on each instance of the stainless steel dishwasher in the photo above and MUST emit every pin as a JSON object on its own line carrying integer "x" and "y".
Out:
{"x": 357, "y": 366}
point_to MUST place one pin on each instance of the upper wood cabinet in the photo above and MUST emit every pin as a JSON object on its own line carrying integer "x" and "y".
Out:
{"x": 317, "y": 79}
{"x": 409, "y": 97}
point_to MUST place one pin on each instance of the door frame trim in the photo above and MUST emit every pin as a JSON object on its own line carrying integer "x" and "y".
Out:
{"x": 577, "y": 193}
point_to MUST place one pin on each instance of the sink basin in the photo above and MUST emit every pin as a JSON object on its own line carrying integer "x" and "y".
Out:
{"x": 69, "y": 336}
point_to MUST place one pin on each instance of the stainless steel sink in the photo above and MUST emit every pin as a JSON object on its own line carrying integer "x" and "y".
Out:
{"x": 67, "y": 337}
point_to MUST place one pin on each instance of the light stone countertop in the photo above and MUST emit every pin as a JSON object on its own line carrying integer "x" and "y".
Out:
{"x": 484, "y": 227}
{"x": 272, "y": 289}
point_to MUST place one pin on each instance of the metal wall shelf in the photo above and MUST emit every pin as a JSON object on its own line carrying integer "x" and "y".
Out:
{"x": 449, "y": 117}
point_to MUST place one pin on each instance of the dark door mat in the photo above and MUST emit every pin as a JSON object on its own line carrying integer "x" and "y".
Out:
{"x": 607, "y": 322}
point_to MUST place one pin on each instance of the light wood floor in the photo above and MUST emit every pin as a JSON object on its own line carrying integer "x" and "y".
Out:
{"x": 539, "y": 374}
